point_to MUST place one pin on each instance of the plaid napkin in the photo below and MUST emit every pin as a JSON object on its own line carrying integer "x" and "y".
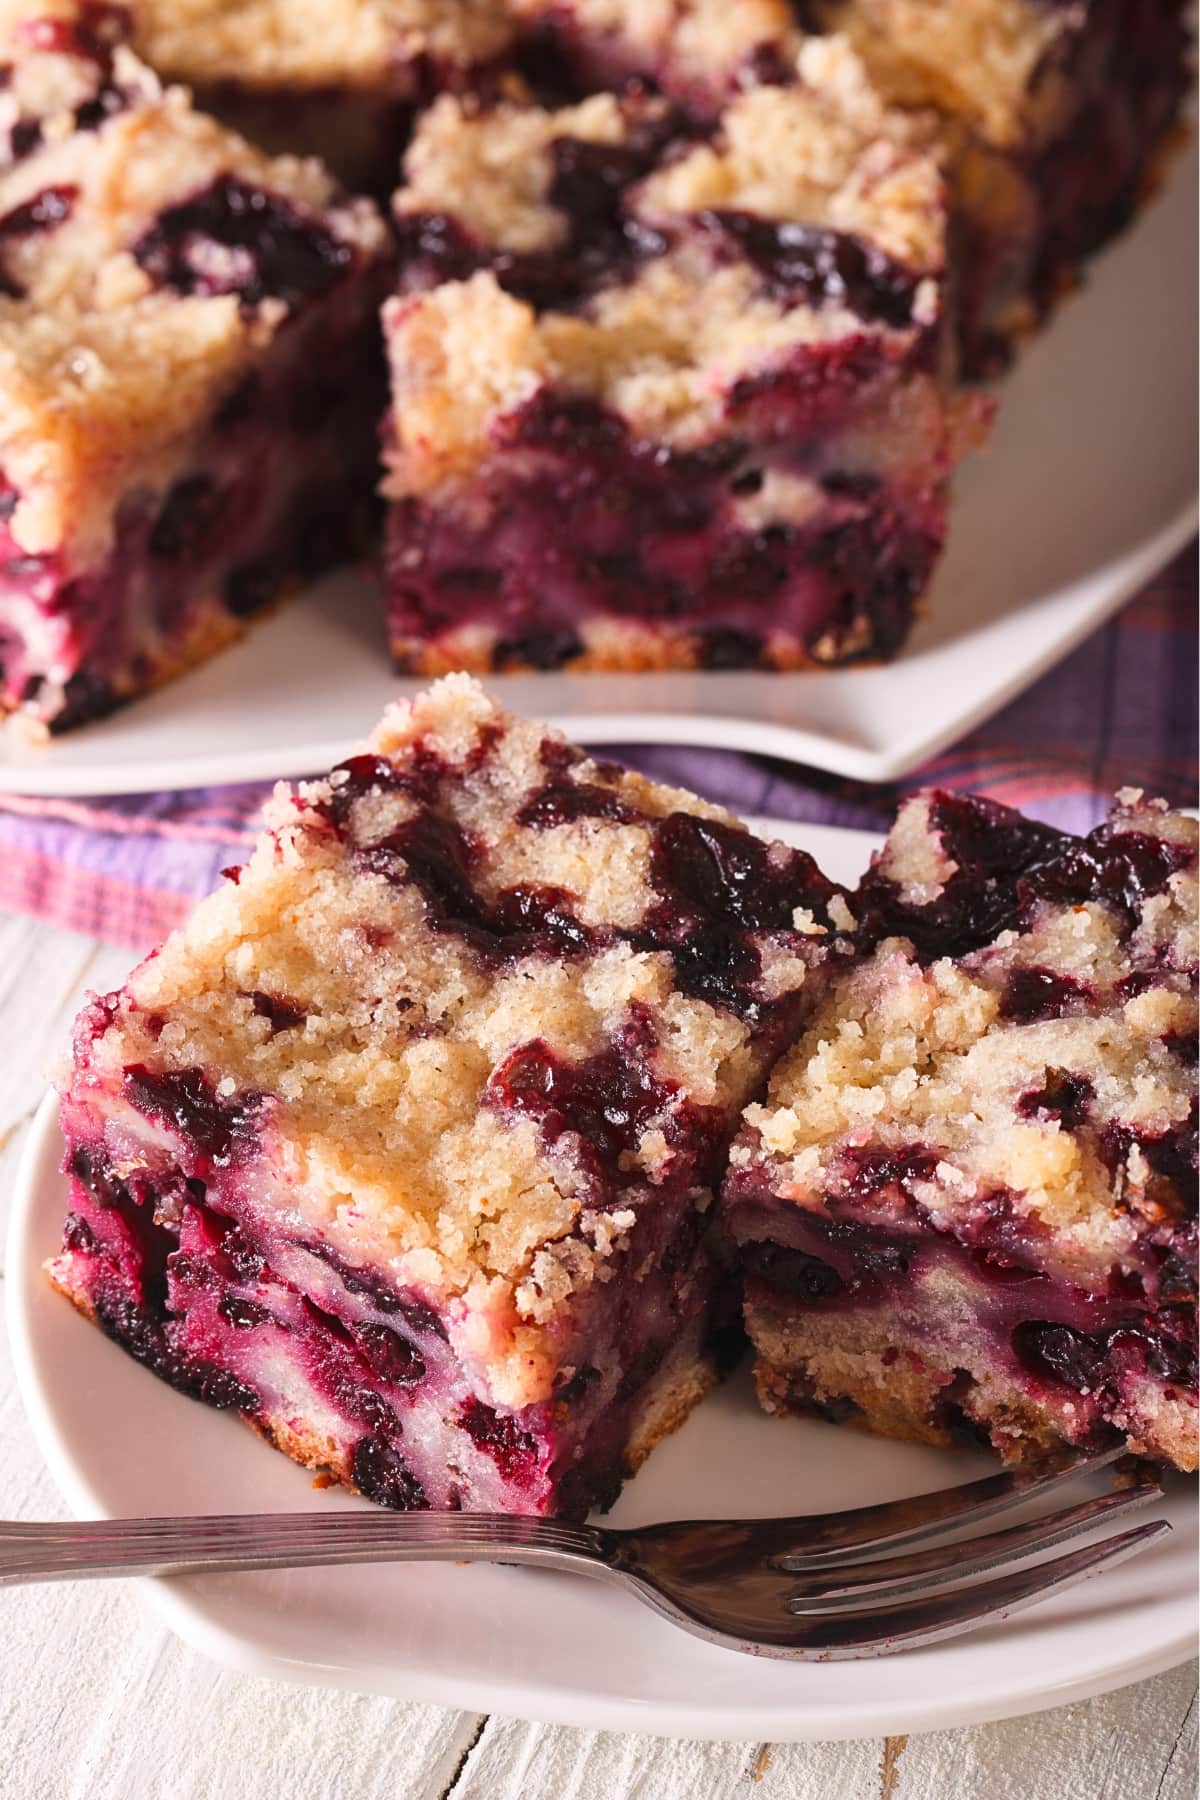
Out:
{"x": 1121, "y": 711}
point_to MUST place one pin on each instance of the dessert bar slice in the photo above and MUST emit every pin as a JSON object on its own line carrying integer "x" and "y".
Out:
{"x": 187, "y": 369}
{"x": 968, "y": 1204}
{"x": 1055, "y": 120}
{"x": 405, "y": 1147}
{"x": 698, "y": 51}
{"x": 662, "y": 399}
{"x": 340, "y": 80}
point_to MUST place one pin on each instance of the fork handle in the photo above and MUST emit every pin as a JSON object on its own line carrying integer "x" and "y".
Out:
{"x": 92, "y": 1549}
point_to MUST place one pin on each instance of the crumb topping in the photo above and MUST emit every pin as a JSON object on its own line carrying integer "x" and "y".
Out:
{"x": 988, "y": 63}
{"x": 315, "y": 43}
{"x": 492, "y": 169}
{"x": 824, "y": 151}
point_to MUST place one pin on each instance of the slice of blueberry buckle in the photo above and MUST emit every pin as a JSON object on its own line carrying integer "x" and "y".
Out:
{"x": 668, "y": 393}
{"x": 967, "y": 1206}
{"x": 186, "y": 370}
{"x": 406, "y": 1147}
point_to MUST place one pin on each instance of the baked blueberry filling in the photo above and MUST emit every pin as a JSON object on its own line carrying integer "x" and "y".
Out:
{"x": 1006, "y": 866}
{"x": 816, "y": 264}
{"x": 675, "y": 556}
{"x": 604, "y": 240}
{"x": 238, "y": 239}
{"x": 41, "y": 213}
{"x": 181, "y": 1287}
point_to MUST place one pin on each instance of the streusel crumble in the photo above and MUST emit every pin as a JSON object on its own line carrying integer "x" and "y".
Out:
{"x": 697, "y": 51}
{"x": 336, "y": 78}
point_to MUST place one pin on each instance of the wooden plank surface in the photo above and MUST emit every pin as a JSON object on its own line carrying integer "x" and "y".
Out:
{"x": 99, "y": 1702}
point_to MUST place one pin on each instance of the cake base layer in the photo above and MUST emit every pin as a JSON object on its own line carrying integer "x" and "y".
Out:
{"x": 945, "y": 1345}
{"x": 354, "y": 1381}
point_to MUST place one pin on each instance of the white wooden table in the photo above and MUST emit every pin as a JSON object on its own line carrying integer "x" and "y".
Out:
{"x": 99, "y": 1702}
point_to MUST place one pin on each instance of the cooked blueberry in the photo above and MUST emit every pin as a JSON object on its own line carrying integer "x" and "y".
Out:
{"x": 389, "y": 1356}
{"x": 749, "y": 481}
{"x": 1171, "y": 1157}
{"x": 570, "y": 422}
{"x": 1185, "y": 1045}
{"x": 541, "y": 921}
{"x": 1031, "y": 994}
{"x": 282, "y": 1013}
{"x": 791, "y": 1272}
{"x": 562, "y": 802}
{"x": 608, "y": 1099}
{"x": 24, "y": 137}
{"x": 538, "y": 650}
{"x": 251, "y": 586}
{"x": 1072, "y": 1357}
{"x": 730, "y": 875}
{"x": 873, "y": 1169}
{"x": 42, "y": 212}
{"x": 234, "y": 238}
{"x": 186, "y": 1100}
{"x": 85, "y": 696}
{"x": 514, "y": 1451}
{"x": 380, "y": 1472}
{"x": 364, "y": 1404}
{"x": 436, "y": 248}
{"x": 1064, "y": 1097}
{"x": 105, "y": 103}
{"x": 821, "y": 266}
{"x": 78, "y": 1234}
{"x": 725, "y": 647}
{"x": 240, "y": 404}
{"x": 187, "y": 517}
{"x": 1123, "y": 869}
{"x": 243, "y": 1314}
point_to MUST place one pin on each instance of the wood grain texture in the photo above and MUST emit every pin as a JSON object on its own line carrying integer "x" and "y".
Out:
{"x": 99, "y": 1702}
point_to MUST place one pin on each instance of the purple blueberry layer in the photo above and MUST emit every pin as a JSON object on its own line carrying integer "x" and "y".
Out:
{"x": 554, "y": 560}
{"x": 280, "y": 1327}
{"x": 1059, "y": 1342}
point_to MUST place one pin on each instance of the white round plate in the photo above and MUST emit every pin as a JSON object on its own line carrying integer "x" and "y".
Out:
{"x": 1087, "y": 488}
{"x": 547, "y": 1647}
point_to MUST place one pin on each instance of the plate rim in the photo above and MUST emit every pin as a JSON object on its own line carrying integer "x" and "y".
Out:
{"x": 179, "y": 1602}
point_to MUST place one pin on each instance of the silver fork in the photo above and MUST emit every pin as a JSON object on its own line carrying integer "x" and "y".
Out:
{"x": 813, "y": 1588}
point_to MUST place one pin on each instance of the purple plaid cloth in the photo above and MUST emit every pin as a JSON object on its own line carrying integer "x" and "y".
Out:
{"x": 1121, "y": 711}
